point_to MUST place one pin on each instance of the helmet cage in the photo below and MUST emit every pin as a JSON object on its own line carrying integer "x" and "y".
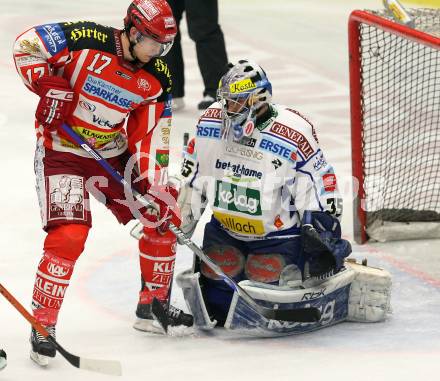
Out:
{"x": 245, "y": 84}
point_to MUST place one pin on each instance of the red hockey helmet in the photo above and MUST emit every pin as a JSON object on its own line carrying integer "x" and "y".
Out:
{"x": 152, "y": 18}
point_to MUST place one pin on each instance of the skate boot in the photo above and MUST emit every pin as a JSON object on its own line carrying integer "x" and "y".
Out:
{"x": 146, "y": 322}
{"x": 41, "y": 349}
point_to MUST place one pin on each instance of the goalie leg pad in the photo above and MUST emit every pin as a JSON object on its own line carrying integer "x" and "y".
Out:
{"x": 370, "y": 294}
{"x": 189, "y": 282}
{"x": 330, "y": 297}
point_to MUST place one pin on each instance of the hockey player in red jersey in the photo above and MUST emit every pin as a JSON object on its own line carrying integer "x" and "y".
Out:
{"x": 112, "y": 88}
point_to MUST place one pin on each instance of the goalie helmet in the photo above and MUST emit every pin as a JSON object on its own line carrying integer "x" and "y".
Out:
{"x": 242, "y": 91}
{"x": 153, "y": 19}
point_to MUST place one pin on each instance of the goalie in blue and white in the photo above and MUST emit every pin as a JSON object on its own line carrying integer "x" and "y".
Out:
{"x": 275, "y": 216}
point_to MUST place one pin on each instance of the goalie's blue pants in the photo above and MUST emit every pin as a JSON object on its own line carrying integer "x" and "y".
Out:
{"x": 216, "y": 293}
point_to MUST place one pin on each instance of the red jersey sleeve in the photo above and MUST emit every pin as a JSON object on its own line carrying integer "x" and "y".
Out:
{"x": 41, "y": 50}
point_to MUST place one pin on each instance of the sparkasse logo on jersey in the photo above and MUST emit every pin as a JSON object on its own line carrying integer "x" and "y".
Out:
{"x": 238, "y": 199}
{"x": 110, "y": 92}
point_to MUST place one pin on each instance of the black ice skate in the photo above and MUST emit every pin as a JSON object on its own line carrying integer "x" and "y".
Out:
{"x": 146, "y": 322}
{"x": 41, "y": 349}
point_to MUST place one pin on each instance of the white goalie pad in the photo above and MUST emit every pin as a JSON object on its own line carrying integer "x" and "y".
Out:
{"x": 370, "y": 294}
{"x": 189, "y": 282}
{"x": 357, "y": 293}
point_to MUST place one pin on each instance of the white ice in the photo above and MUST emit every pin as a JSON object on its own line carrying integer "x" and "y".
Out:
{"x": 302, "y": 44}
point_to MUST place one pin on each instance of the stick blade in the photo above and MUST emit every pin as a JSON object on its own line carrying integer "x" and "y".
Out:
{"x": 109, "y": 367}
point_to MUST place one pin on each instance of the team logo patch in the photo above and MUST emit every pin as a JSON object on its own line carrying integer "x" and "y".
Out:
{"x": 319, "y": 162}
{"x": 277, "y": 163}
{"x": 30, "y": 46}
{"x": 66, "y": 197}
{"x": 143, "y": 84}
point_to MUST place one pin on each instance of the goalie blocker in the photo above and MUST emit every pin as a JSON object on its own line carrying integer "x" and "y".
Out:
{"x": 357, "y": 293}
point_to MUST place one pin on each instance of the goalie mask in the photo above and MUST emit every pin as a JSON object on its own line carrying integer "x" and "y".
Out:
{"x": 242, "y": 91}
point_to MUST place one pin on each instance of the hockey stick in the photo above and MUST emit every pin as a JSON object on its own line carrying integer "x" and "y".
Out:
{"x": 310, "y": 314}
{"x": 101, "y": 366}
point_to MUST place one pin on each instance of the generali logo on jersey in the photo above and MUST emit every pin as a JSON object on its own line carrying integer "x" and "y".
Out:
{"x": 212, "y": 113}
{"x": 294, "y": 136}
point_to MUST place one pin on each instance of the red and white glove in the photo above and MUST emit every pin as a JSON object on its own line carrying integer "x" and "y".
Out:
{"x": 56, "y": 98}
{"x": 164, "y": 199}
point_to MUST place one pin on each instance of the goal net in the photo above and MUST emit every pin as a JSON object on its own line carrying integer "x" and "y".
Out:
{"x": 395, "y": 122}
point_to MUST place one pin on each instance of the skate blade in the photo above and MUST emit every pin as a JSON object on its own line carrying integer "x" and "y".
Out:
{"x": 39, "y": 359}
{"x": 147, "y": 325}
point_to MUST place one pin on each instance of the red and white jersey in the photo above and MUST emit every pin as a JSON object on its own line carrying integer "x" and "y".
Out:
{"x": 116, "y": 105}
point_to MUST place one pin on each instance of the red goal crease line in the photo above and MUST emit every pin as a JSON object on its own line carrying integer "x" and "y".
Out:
{"x": 405, "y": 267}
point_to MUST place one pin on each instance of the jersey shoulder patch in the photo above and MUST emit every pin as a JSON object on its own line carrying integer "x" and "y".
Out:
{"x": 292, "y": 130}
{"x": 53, "y": 38}
{"x": 89, "y": 35}
{"x": 159, "y": 70}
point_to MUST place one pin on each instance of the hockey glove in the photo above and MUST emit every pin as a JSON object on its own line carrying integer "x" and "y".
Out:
{"x": 166, "y": 210}
{"x": 323, "y": 249}
{"x": 56, "y": 98}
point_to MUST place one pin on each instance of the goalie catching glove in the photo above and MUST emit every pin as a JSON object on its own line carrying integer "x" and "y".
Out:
{"x": 323, "y": 249}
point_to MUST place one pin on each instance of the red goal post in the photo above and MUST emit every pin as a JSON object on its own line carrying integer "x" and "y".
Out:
{"x": 395, "y": 114}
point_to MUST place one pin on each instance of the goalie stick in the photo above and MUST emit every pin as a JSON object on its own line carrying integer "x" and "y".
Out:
{"x": 101, "y": 366}
{"x": 306, "y": 315}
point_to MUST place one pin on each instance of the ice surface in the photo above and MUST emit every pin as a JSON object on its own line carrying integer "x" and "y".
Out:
{"x": 302, "y": 45}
